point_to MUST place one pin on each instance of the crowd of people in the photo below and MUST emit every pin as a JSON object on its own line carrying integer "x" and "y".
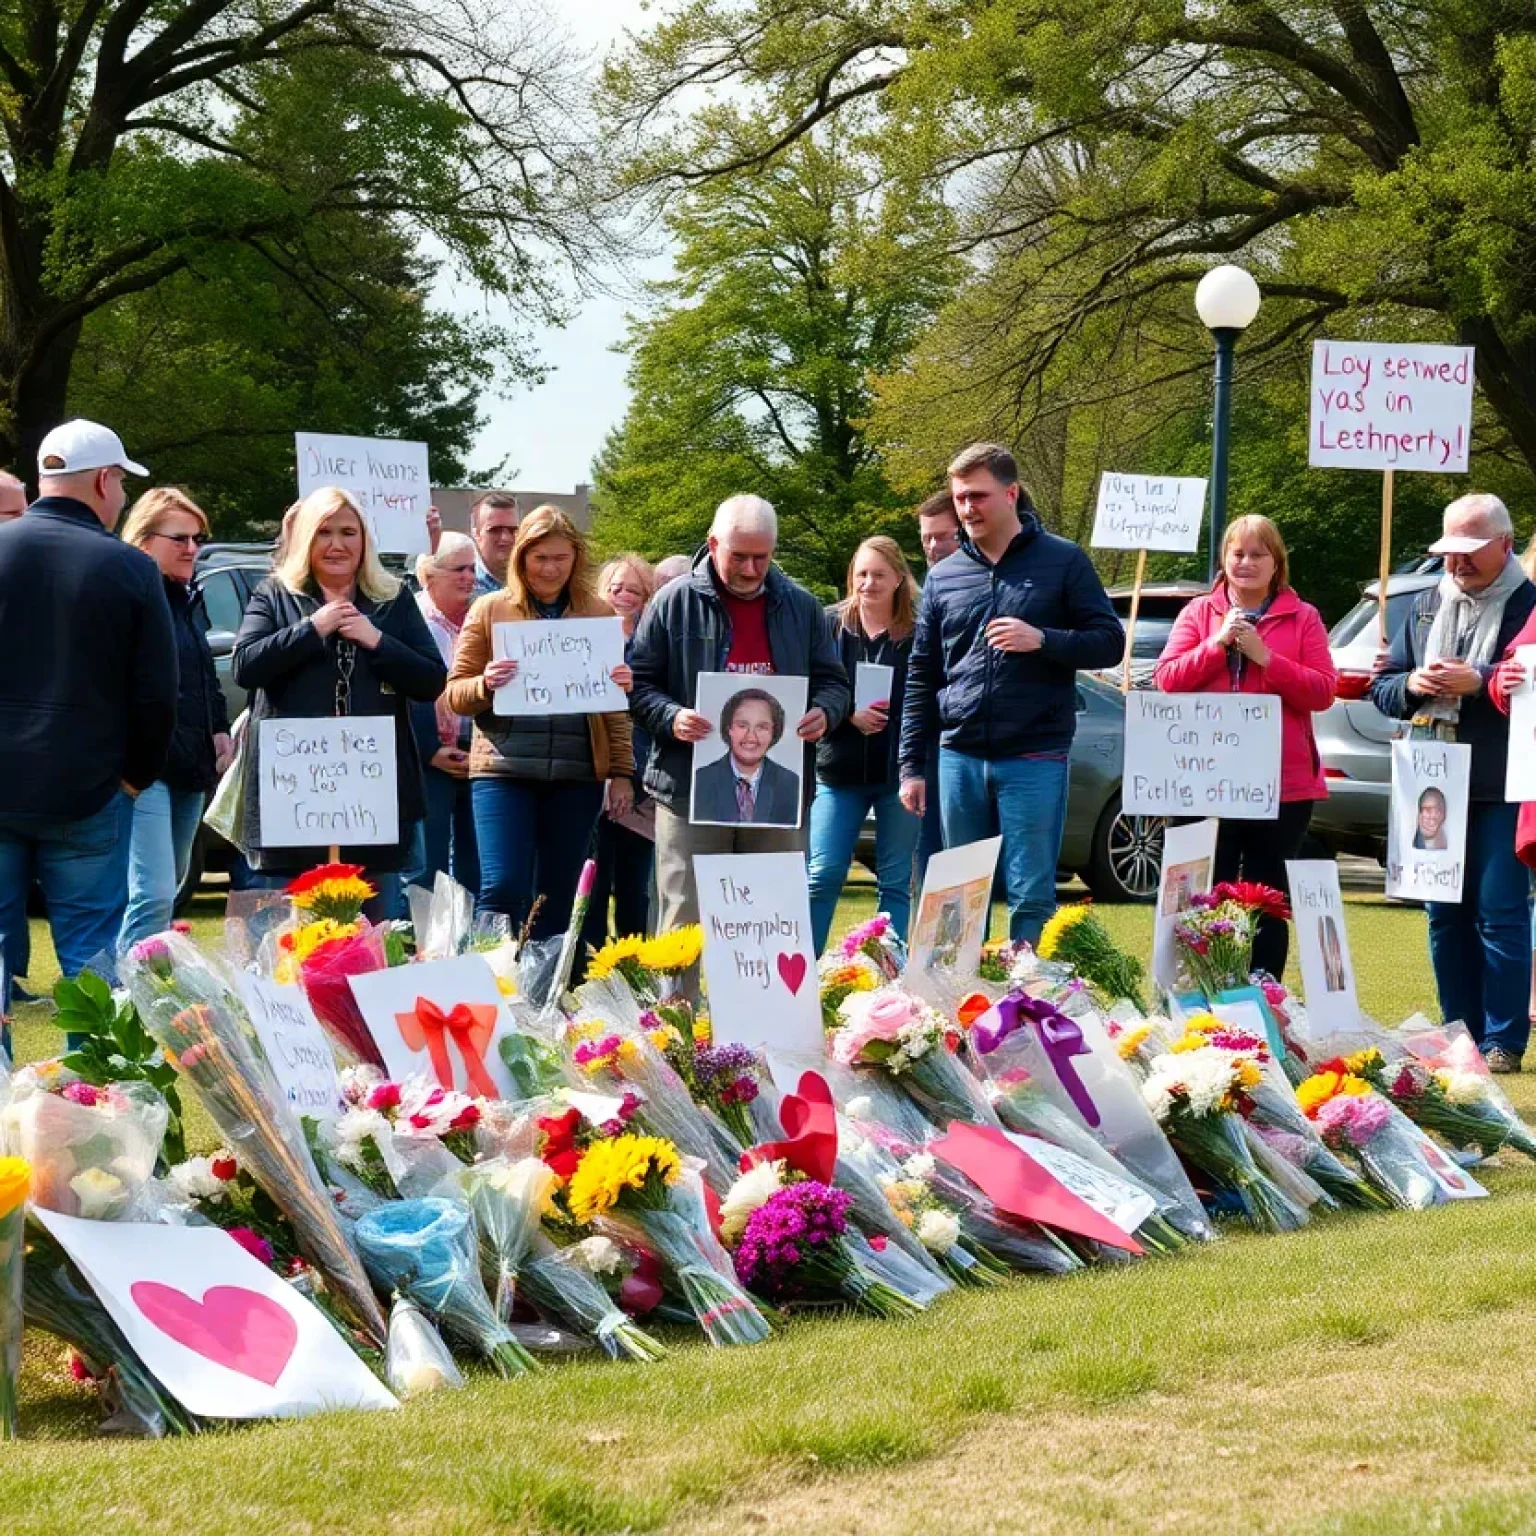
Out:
{"x": 115, "y": 730}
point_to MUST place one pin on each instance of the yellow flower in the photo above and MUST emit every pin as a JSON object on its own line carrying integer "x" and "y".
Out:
{"x": 608, "y": 958}
{"x": 1132, "y": 1041}
{"x": 673, "y": 952}
{"x": 1322, "y": 1086}
{"x": 1249, "y": 1074}
{"x": 663, "y": 1037}
{"x": 702, "y": 1034}
{"x": 608, "y": 1168}
{"x": 1065, "y": 919}
{"x": 15, "y": 1182}
{"x": 348, "y": 890}
{"x": 506, "y": 986}
{"x": 1203, "y": 1024}
{"x": 1363, "y": 1061}
{"x": 1357, "y": 1086}
{"x": 1190, "y": 1042}
{"x": 303, "y": 942}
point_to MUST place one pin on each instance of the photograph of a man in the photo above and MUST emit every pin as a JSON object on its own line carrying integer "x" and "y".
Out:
{"x": 746, "y": 786}
{"x": 1430, "y": 831}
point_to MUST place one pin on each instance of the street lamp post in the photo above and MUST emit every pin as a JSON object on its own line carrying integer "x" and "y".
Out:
{"x": 1226, "y": 299}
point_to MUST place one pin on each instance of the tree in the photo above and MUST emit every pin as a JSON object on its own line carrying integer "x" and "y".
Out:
{"x": 142, "y": 138}
{"x": 795, "y": 283}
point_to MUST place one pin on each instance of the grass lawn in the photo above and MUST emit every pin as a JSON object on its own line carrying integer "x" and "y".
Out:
{"x": 1362, "y": 1376}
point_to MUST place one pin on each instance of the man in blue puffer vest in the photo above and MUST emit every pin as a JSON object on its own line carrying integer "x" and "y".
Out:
{"x": 1004, "y": 626}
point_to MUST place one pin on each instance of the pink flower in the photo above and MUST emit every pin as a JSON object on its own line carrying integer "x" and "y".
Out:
{"x": 871, "y": 1016}
{"x": 253, "y": 1243}
{"x": 385, "y": 1096}
{"x": 466, "y": 1117}
{"x": 83, "y": 1093}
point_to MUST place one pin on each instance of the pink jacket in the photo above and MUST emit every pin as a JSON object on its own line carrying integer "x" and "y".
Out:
{"x": 1300, "y": 670}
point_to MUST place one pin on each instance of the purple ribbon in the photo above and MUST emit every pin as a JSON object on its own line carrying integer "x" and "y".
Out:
{"x": 1060, "y": 1037}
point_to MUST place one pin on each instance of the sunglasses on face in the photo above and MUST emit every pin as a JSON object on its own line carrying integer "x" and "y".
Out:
{"x": 196, "y": 540}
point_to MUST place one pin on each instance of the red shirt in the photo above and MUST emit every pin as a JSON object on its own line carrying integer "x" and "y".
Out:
{"x": 749, "y": 633}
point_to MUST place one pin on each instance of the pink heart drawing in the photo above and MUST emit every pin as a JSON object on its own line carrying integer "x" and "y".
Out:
{"x": 241, "y": 1330}
{"x": 792, "y": 971}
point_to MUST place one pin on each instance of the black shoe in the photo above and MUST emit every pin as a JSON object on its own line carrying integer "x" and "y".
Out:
{"x": 1502, "y": 1061}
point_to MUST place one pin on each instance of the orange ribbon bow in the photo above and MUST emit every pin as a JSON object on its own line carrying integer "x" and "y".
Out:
{"x": 470, "y": 1027}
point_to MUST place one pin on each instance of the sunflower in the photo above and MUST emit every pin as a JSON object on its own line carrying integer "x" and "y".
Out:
{"x": 1062, "y": 923}
{"x": 613, "y": 954}
{"x": 670, "y": 953}
{"x": 646, "y": 1165}
{"x": 15, "y": 1183}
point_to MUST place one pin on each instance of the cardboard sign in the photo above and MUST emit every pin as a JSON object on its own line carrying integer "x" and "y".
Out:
{"x": 1322, "y": 942}
{"x": 873, "y": 684}
{"x": 1149, "y": 512}
{"x": 388, "y": 478}
{"x": 951, "y": 921}
{"x": 562, "y": 667}
{"x": 1189, "y": 869}
{"x": 1427, "y": 820}
{"x": 1202, "y": 754}
{"x": 755, "y": 718}
{"x": 1376, "y": 405}
{"x": 1520, "y": 775}
{"x": 759, "y": 962}
{"x": 295, "y": 1044}
{"x": 443, "y": 1020}
{"x": 225, "y": 1336}
{"x": 328, "y": 782}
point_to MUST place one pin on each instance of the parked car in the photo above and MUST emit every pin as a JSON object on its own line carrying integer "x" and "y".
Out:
{"x": 1161, "y": 604}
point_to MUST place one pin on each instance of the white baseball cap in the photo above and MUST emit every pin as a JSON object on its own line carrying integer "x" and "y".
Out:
{"x": 80, "y": 445}
{"x": 1459, "y": 544}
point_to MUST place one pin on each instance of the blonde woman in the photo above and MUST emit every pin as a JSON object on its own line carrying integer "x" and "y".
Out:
{"x": 170, "y": 528}
{"x": 331, "y": 632}
{"x": 538, "y": 780}
{"x": 856, "y": 766}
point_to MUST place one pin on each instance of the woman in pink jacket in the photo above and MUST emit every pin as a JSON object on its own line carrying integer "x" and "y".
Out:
{"x": 1252, "y": 634}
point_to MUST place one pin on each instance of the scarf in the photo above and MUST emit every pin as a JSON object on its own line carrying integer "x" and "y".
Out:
{"x": 1466, "y": 628}
{"x": 1237, "y": 663}
{"x": 452, "y": 730}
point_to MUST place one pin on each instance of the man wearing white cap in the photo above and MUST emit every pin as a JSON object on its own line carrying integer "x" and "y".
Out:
{"x": 87, "y": 695}
{"x": 1436, "y": 674}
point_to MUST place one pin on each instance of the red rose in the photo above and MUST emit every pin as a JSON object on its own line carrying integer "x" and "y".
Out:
{"x": 466, "y": 1117}
{"x": 224, "y": 1167}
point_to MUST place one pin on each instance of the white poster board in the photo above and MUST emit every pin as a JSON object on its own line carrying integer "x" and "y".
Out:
{"x": 219, "y": 1330}
{"x": 1149, "y": 512}
{"x": 1202, "y": 754}
{"x": 1427, "y": 820}
{"x": 440, "y": 1019}
{"x": 1520, "y": 774}
{"x": 872, "y": 684}
{"x": 759, "y": 961}
{"x": 1322, "y": 944}
{"x": 950, "y": 924}
{"x": 328, "y": 782}
{"x": 1378, "y": 405}
{"x": 296, "y": 1045}
{"x": 1189, "y": 869}
{"x": 562, "y": 667}
{"x": 389, "y": 478}
{"x": 755, "y": 737}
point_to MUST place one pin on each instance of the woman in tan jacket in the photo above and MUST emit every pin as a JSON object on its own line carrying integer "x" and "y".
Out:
{"x": 537, "y": 780}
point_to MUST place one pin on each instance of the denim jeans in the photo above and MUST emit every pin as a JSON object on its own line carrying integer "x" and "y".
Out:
{"x": 533, "y": 837}
{"x": 165, "y": 823}
{"x": 1024, "y": 799}
{"x": 445, "y": 840}
{"x": 625, "y": 860}
{"x": 1481, "y": 946}
{"x": 837, "y": 816}
{"x": 82, "y": 867}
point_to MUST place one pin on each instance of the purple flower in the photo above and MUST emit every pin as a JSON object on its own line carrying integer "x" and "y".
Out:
{"x": 804, "y": 1216}
{"x": 718, "y": 1062}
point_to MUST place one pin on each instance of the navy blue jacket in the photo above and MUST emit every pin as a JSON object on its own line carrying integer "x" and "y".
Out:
{"x": 201, "y": 713}
{"x": 87, "y": 664}
{"x": 1480, "y": 726}
{"x": 999, "y": 704}
{"x": 847, "y": 757}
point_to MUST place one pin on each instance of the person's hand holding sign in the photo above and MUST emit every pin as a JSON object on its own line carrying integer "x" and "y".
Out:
{"x": 873, "y": 718}
{"x": 813, "y": 725}
{"x": 1510, "y": 676}
{"x": 690, "y": 725}
{"x": 499, "y": 673}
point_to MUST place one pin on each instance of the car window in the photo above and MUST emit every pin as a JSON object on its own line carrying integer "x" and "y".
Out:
{"x": 1150, "y": 638}
{"x": 223, "y": 600}
{"x": 1353, "y": 625}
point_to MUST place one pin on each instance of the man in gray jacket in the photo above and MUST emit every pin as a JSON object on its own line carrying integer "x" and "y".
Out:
{"x": 734, "y": 612}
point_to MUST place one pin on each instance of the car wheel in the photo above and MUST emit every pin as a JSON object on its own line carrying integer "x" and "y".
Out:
{"x": 1126, "y": 862}
{"x": 194, "y": 874}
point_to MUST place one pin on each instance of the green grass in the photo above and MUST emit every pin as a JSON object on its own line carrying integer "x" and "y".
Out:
{"x": 1364, "y": 1376}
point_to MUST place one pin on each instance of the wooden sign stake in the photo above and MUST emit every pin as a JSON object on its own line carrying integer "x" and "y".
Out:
{"x": 1130, "y": 628}
{"x": 1386, "y": 556}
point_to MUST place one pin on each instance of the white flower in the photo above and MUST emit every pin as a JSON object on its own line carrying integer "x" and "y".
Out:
{"x": 919, "y": 1166}
{"x": 528, "y": 1182}
{"x": 1203, "y": 1078}
{"x": 101, "y": 1196}
{"x": 600, "y": 1255}
{"x": 753, "y": 1189}
{"x": 358, "y": 1082}
{"x": 1460, "y": 1087}
{"x": 194, "y": 1180}
{"x": 860, "y": 1108}
{"x": 434, "y": 1108}
{"x": 938, "y": 1231}
{"x": 352, "y": 1129}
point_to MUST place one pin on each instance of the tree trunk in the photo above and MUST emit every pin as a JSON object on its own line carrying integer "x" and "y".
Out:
{"x": 1508, "y": 377}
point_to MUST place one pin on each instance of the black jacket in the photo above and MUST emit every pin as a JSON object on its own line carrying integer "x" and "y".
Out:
{"x": 1481, "y": 726}
{"x": 847, "y": 757}
{"x": 200, "y": 711}
{"x": 685, "y": 631}
{"x": 999, "y": 704}
{"x": 87, "y": 664}
{"x": 291, "y": 672}
{"x": 777, "y": 803}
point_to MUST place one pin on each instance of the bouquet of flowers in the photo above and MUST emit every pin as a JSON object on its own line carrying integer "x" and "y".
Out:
{"x": 225, "y": 1195}
{"x": 426, "y": 1250}
{"x": 508, "y": 1201}
{"x": 202, "y": 1027}
{"x": 1453, "y": 1102}
{"x": 839, "y": 976}
{"x": 937, "y": 1226}
{"x": 727, "y": 1079}
{"x": 91, "y": 1149}
{"x": 876, "y": 941}
{"x": 649, "y": 966}
{"x": 15, "y": 1179}
{"x": 400, "y": 1139}
{"x": 635, "y": 1184}
{"x": 416, "y": 1361}
{"x": 1074, "y": 936}
{"x": 1396, "y": 1155}
{"x": 563, "y": 1284}
{"x": 1215, "y": 937}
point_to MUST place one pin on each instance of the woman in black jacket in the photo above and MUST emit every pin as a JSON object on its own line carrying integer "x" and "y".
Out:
{"x": 170, "y": 527}
{"x": 331, "y": 632}
{"x": 856, "y": 769}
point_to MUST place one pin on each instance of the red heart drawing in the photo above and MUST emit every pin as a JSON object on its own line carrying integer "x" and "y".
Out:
{"x": 792, "y": 971}
{"x": 241, "y": 1330}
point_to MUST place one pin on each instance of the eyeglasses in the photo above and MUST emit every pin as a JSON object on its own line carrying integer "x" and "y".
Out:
{"x": 196, "y": 540}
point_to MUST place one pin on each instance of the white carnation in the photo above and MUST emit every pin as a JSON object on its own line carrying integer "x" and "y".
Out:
{"x": 194, "y": 1180}
{"x": 358, "y": 1082}
{"x": 1461, "y": 1087}
{"x": 860, "y": 1108}
{"x": 600, "y": 1255}
{"x": 938, "y": 1231}
{"x": 919, "y": 1166}
{"x": 750, "y": 1192}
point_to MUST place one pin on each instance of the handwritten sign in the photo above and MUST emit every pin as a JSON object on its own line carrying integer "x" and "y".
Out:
{"x": 328, "y": 782}
{"x": 1520, "y": 774}
{"x": 1427, "y": 820}
{"x": 1202, "y": 754}
{"x": 759, "y": 963}
{"x": 1327, "y": 969}
{"x": 1189, "y": 870}
{"x": 1380, "y": 406}
{"x": 562, "y": 666}
{"x": 389, "y": 479}
{"x": 1149, "y": 512}
{"x": 295, "y": 1044}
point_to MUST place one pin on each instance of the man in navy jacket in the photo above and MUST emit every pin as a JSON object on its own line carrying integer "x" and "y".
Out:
{"x": 88, "y": 691}
{"x": 1004, "y": 626}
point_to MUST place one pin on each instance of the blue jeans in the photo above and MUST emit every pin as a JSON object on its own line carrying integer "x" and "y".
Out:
{"x": 625, "y": 860}
{"x": 1481, "y": 946}
{"x": 1024, "y": 799}
{"x": 837, "y": 816}
{"x": 534, "y": 837}
{"x": 930, "y": 838}
{"x": 82, "y": 867}
{"x": 165, "y": 823}
{"x": 445, "y": 840}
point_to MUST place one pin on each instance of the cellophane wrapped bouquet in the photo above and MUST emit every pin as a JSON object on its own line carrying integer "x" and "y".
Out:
{"x": 1214, "y": 938}
{"x": 509, "y": 1200}
{"x": 402, "y": 1139}
{"x": 564, "y": 1285}
{"x": 15, "y": 1181}
{"x": 416, "y": 1361}
{"x": 1074, "y": 936}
